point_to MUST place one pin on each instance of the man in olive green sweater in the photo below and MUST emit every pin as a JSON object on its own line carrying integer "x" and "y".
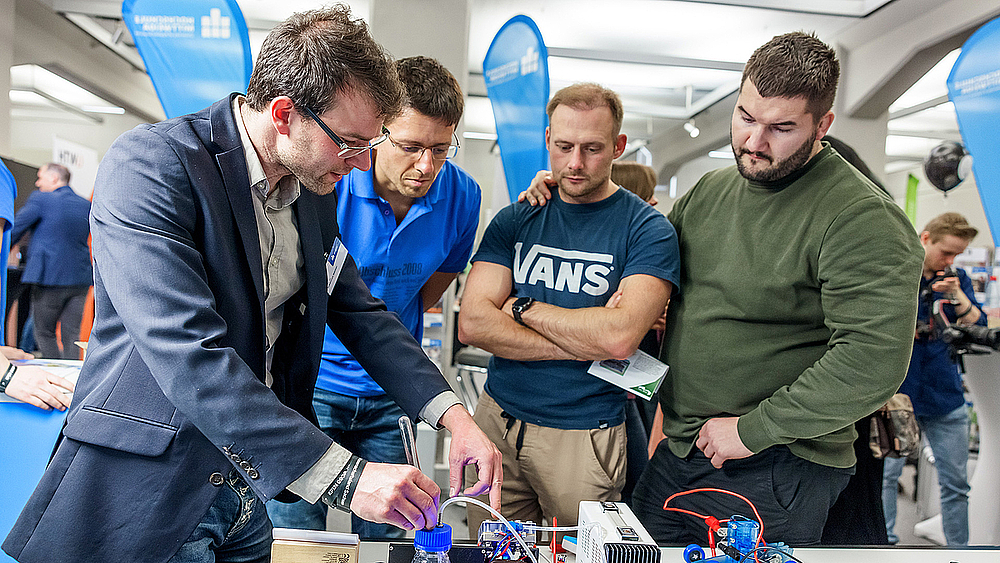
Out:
{"x": 795, "y": 316}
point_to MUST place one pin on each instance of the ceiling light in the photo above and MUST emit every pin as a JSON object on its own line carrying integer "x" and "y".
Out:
{"x": 690, "y": 127}
{"x": 114, "y": 110}
{"x": 479, "y": 135}
{"x": 59, "y": 91}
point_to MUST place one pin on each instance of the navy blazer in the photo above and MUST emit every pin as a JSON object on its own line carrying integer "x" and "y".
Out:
{"x": 175, "y": 367}
{"x": 58, "y": 254}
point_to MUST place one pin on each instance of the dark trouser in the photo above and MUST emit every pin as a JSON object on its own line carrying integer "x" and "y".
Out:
{"x": 635, "y": 448}
{"x": 857, "y": 517}
{"x": 792, "y": 495}
{"x": 52, "y": 305}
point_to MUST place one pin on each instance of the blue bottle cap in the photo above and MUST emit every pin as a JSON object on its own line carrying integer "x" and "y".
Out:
{"x": 438, "y": 539}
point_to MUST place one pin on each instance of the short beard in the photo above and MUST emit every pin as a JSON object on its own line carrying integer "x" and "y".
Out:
{"x": 778, "y": 171}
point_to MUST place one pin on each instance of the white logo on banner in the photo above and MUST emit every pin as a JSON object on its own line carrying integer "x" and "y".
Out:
{"x": 215, "y": 25}
{"x": 510, "y": 70}
{"x": 980, "y": 84}
{"x": 529, "y": 62}
{"x": 164, "y": 26}
{"x": 502, "y": 73}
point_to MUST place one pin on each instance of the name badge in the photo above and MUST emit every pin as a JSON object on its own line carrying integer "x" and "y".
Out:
{"x": 334, "y": 264}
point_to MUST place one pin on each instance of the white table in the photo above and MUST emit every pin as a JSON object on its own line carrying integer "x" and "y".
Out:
{"x": 377, "y": 552}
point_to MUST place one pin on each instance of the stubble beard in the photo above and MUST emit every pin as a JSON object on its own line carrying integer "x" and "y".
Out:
{"x": 290, "y": 161}
{"x": 578, "y": 191}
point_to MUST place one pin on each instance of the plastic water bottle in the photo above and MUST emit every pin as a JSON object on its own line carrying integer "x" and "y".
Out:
{"x": 431, "y": 546}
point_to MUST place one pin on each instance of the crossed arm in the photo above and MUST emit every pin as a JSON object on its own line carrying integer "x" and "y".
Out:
{"x": 552, "y": 332}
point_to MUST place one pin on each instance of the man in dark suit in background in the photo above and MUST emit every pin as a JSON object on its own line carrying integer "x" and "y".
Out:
{"x": 58, "y": 263}
{"x": 215, "y": 272}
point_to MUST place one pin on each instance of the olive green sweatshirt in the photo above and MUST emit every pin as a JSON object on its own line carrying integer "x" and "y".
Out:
{"x": 796, "y": 310}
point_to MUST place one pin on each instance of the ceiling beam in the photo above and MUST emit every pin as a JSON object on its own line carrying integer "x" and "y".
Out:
{"x": 842, "y": 8}
{"x": 889, "y": 51}
{"x": 103, "y": 8}
{"x": 60, "y": 104}
{"x": 945, "y": 134}
{"x": 932, "y": 103}
{"x": 98, "y": 32}
{"x": 642, "y": 59}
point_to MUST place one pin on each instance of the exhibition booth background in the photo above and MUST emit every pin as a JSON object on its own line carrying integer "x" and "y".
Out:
{"x": 892, "y": 106}
{"x": 671, "y": 61}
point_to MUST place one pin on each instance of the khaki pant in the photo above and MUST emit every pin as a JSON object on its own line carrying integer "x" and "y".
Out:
{"x": 556, "y": 469}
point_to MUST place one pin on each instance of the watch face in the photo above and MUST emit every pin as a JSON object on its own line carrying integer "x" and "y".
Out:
{"x": 519, "y": 306}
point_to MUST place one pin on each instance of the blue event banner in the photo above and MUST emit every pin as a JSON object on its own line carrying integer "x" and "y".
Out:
{"x": 974, "y": 88}
{"x": 195, "y": 51}
{"x": 517, "y": 82}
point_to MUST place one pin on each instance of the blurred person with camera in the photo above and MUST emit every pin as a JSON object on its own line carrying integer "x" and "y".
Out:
{"x": 933, "y": 381}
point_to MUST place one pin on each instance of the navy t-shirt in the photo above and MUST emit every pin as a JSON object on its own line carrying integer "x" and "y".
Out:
{"x": 572, "y": 256}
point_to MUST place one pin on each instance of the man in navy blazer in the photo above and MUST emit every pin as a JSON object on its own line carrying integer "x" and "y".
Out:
{"x": 214, "y": 275}
{"x": 58, "y": 263}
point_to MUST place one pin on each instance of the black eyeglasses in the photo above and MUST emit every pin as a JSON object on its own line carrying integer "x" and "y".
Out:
{"x": 440, "y": 152}
{"x": 346, "y": 151}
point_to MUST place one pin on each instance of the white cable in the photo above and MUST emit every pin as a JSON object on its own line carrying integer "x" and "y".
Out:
{"x": 478, "y": 502}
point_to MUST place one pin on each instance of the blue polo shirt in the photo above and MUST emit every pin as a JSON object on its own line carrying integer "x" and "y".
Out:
{"x": 395, "y": 261}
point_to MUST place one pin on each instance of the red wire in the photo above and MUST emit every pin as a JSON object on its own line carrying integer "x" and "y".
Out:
{"x": 760, "y": 522}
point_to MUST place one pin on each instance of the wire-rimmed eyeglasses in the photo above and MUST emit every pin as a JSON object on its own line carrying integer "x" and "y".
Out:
{"x": 346, "y": 151}
{"x": 439, "y": 152}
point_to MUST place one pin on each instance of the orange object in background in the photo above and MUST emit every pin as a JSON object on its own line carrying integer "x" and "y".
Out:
{"x": 88, "y": 319}
{"x": 87, "y": 323}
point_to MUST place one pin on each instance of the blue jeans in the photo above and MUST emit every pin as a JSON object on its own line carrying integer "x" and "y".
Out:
{"x": 948, "y": 437}
{"x": 234, "y": 530}
{"x": 369, "y": 428}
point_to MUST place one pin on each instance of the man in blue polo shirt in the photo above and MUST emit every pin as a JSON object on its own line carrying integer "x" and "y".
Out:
{"x": 409, "y": 222}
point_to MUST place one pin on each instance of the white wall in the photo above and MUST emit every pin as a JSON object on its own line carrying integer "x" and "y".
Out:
{"x": 687, "y": 176}
{"x": 477, "y": 159}
{"x": 44, "y": 38}
{"x": 32, "y": 134}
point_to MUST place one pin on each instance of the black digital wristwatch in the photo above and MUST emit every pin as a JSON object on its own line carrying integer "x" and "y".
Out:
{"x": 521, "y": 305}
